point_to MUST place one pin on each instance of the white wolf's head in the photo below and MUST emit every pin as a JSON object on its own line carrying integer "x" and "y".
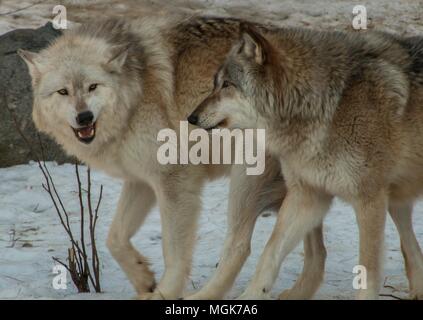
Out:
{"x": 243, "y": 86}
{"x": 83, "y": 85}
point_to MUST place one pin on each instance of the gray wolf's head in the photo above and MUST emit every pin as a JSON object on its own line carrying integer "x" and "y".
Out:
{"x": 82, "y": 87}
{"x": 243, "y": 85}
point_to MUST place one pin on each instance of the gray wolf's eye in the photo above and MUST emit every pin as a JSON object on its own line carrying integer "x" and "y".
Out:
{"x": 63, "y": 92}
{"x": 226, "y": 84}
{"x": 92, "y": 87}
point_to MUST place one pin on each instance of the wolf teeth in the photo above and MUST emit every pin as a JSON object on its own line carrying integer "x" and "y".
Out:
{"x": 80, "y": 135}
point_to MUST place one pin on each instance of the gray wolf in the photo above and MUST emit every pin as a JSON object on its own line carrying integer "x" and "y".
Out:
{"x": 104, "y": 90}
{"x": 344, "y": 114}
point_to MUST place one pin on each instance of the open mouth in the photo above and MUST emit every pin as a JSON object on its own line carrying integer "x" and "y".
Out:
{"x": 221, "y": 124}
{"x": 85, "y": 134}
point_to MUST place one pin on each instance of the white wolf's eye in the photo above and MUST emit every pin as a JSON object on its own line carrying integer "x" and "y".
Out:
{"x": 63, "y": 92}
{"x": 92, "y": 87}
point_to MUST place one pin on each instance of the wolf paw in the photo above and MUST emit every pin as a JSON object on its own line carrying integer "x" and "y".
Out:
{"x": 249, "y": 296}
{"x": 144, "y": 284}
{"x": 295, "y": 294}
{"x": 202, "y": 296}
{"x": 150, "y": 296}
{"x": 416, "y": 295}
{"x": 288, "y": 295}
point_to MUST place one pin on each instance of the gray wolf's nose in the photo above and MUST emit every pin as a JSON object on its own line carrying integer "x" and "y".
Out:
{"x": 193, "y": 119}
{"x": 84, "y": 118}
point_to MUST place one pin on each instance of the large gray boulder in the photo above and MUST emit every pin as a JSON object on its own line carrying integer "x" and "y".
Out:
{"x": 16, "y": 97}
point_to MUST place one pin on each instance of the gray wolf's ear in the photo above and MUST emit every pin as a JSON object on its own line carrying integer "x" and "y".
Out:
{"x": 253, "y": 44}
{"x": 119, "y": 56}
{"x": 30, "y": 60}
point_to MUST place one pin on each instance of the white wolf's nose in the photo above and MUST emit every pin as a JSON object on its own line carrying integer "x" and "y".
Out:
{"x": 84, "y": 118}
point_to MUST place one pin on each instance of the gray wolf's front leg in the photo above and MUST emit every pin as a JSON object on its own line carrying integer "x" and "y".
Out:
{"x": 302, "y": 210}
{"x": 248, "y": 196}
{"x": 314, "y": 268}
{"x": 136, "y": 201}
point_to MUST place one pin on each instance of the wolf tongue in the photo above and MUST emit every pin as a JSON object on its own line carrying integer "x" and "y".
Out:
{"x": 85, "y": 132}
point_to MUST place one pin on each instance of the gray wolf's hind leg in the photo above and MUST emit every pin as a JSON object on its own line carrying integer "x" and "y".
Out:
{"x": 371, "y": 217}
{"x": 413, "y": 258}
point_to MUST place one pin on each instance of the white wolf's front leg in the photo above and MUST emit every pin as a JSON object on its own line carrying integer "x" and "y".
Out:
{"x": 302, "y": 210}
{"x": 178, "y": 196}
{"x": 135, "y": 202}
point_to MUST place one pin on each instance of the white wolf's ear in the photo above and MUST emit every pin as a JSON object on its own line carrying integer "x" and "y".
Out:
{"x": 253, "y": 44}
{"x": 119, "y": 56}
{"x": 31, "y": 62}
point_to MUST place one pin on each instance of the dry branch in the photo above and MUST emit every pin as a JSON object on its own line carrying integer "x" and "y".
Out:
{"x": 78, "y": 260}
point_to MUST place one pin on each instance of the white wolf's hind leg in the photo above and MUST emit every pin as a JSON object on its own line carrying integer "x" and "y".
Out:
{"x": 135, "y": 202}
{"x": 314, "y": 268}
{"x": 413, "y": 258}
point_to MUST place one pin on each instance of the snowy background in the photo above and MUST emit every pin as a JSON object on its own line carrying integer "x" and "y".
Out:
{"x": 30, "y": 231}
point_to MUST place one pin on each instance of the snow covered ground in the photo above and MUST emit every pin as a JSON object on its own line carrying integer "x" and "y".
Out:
{"x": 26, "y": 264}
{"x": 28, "y": 217}
{"x": 400, "y": 16}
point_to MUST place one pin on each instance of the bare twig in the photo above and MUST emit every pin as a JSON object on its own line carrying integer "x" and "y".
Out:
{"x": 78, "y": 259}
{"x": 82, "y": 221}
{"x": 21, "y": 9}
{"x": 93, "y": 220}
{"x": 13, "y": 239}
